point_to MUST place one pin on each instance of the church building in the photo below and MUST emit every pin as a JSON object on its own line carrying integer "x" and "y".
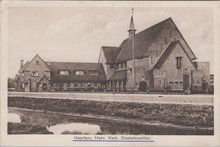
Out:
{"x": 155, "y": 59}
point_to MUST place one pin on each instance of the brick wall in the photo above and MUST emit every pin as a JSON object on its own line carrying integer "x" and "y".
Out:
{"x": 141, "y": 68}
{"x": 36, "y": 65}
{"x": 169, "y": 66}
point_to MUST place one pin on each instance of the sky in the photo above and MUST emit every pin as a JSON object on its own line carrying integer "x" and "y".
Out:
{"x": 76, "y": 34}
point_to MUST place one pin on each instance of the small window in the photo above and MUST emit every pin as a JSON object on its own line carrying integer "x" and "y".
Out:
{"x": 171, "y": 82}
{"x": 37, "y": 62}
{"x": 181, "y": 82}
{"x": 68, "y": 84}
{"x": 165, "y": 40}
{"x": 93, "y": 72}
{"x": 161, "y": 46}
{"x": 75, "y": 85}
{"x": 22, "y": 74}
{"x": 61, "y": 86}
{"x": 35, "y": 74}
{"x": 176, "y": 83}
{"x": 64, "y": 72}
{"x": 79, "y": 72}
{"x": 178, "y": 62}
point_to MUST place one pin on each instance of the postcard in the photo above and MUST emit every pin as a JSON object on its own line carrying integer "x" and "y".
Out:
{"x": 108, "y": 73}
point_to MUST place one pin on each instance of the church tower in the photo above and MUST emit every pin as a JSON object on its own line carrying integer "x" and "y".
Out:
{"x": 131, "y": 30}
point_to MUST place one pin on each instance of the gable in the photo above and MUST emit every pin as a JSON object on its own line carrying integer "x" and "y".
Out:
{"x": 37, "y": 64}
{"x": 110, "y": 53}
{"x": 142, "y": 40}
{"x": 168, "y": 58}
{"x": 43, "y": 79}
{"x": 148, "y": 41}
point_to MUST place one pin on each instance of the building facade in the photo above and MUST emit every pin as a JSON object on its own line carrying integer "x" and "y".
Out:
{"x": 155, "y": 59}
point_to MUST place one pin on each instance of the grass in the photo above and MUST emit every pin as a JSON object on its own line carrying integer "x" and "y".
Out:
{"x": 186, "y": 115}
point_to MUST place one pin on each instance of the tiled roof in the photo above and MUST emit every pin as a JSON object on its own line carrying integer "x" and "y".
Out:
{"x": 142, "y": 40}
{"x": 111, "y": 53}
{"x": 55, "y": 68}
{"x": 119, "y": 75}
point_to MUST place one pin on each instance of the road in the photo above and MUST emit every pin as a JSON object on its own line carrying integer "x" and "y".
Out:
{"x": 139, "y": 98}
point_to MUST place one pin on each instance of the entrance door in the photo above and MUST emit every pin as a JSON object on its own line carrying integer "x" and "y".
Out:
{"x": 142, "y": 86}
{"x": 185, "y": 82}
{"x": 44, "y": 87}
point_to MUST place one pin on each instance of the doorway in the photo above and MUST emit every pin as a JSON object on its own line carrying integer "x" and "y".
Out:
{"x": 143, "y": 86}
{"x": 185, "y": 82}
{"x": 44, "y": 87}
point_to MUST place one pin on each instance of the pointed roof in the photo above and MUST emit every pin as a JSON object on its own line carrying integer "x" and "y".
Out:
{"x": 143, "y": 41}
{"x": 131, "y": 27}
{"x": 43, "y": 77}
{"x": 111, "y": 53}
{"x": 167, "y": 51}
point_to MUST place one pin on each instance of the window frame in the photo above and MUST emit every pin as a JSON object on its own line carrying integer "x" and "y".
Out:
{"x": 93, "y": 72}
{"x": 179, "y": 62}
{"x": 79, "y": 71}
{"x": 35, "y": 74}
{"x": 64, "y": 72}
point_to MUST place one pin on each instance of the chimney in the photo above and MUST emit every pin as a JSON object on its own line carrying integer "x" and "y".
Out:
{"x": 21, "y": 63}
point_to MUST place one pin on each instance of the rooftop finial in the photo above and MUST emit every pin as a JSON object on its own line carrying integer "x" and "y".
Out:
{"x": 131, "y": 27}
{"x": 132, "y": 11}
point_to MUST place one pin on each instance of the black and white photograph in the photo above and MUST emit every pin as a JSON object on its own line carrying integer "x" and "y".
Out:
{"x": 103, "y": 73}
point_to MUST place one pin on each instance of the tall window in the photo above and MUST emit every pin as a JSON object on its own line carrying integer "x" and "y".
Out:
{"x": 165, "y": 40}
{"x": 35, "y": 74}
{"x": 64, "y": 72}
{"x": 79, "y": 72}
{"x": 178, "y": 62}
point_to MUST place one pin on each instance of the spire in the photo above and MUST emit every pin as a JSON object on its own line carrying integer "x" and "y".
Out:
{"x": 131, "y": 27}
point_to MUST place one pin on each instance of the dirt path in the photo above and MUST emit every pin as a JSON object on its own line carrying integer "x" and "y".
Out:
{"x": 139, "y": 98}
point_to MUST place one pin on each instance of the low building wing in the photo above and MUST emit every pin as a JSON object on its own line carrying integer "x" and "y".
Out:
{"x": 76, "y": 72}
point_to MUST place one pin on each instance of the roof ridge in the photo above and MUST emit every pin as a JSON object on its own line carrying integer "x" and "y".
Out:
{"x": 72, "y": 62}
